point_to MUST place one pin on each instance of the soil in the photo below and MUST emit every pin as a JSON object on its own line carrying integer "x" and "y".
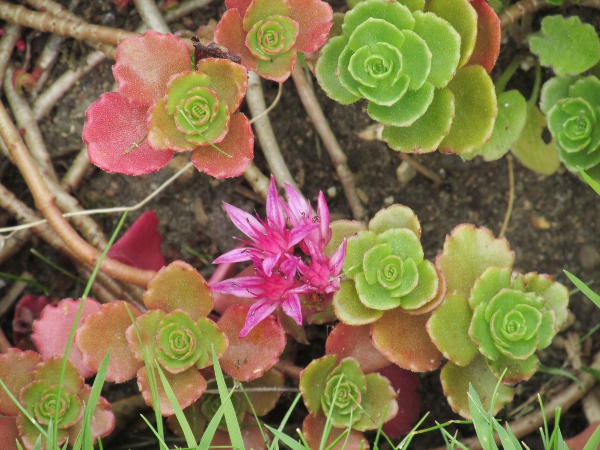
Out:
{"x": 554, "y": 223}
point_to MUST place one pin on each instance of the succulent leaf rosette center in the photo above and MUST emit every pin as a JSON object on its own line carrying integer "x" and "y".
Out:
{"x": 178, "y": 339}
{"x": 344, "y": 397}
{"x": 41, "y": 400}
{"x": 272, "y": 36}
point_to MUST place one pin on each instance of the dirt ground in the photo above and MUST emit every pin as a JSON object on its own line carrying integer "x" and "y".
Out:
{"x": 554, "y": 223}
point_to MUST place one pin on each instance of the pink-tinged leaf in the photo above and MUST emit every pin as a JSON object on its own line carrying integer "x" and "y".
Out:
{"x": 144, "y": 330}
{"x": 51, "y": 331}
{"x": 238, "y": 144}
{"x": 179, "y": 286}
{"x": 17, "y": 369}
{"x": 251, "y": 435}
{"x": 29, "y": 434}
{"x": 487, "y": 45}
{"x": 116, "y": 135}
{"x": 145, "y": 64}
{"x": 405, "y": 383}
{"x": 8, "y": 433}
{"x": 163, "y": 133}
{"x": 240, "y": 5}
{"x": 28, "y": 309}
{"x": 403, "y": 339}
{"x": 140, "y": 245}
{"x": 251, "y": 356}
{"x": 103, "y": 331}
{"x": 103, "y": 419}
{"x": 312, "y": 430}
{"x": 578, "y": 442}
{"x": 230, "y": 33}
{"x": 315, "y": 18}
{"x": 188, "y": 387}
{"x": 50, "y": 369}
{"x": 228, "y": 79}
{"x": 355, "y": 341}
{"x": 278, "y": 68}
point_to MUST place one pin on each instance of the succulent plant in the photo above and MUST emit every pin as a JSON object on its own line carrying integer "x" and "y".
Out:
{"x": 491, "y": 323}
{"x": 421, "y": 71}
{"x": 267, "y": 34}
{"x": 572, "y": 108}
{"x": 164, "y": 106}
{"x": 338, "y": 388}
{"x": 35, "y": 384}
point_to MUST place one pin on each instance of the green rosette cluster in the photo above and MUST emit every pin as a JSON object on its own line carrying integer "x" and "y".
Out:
{"x": 341, "y": 390}
{"x": 410, "y": 65}
{"x": 386, "y": 268}
{"x": 491, "y": 322}
{"x": 572, "y": 108}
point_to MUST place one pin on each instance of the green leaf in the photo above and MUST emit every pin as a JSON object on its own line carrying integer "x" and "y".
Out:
{"x": 233, "y": 426}
{"x": 594, "y": 440}
{"x": 512, "y": 113}
{"x": 287, "y": 440}
{"x": 531, "y": 150}
{"x": 566, "y": 45}
{"x": 593, "y": 184}
{"x": 561, "y": 373}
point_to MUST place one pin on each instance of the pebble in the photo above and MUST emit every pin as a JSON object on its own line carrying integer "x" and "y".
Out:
{"x": 332, "y": 191}
{"x": 405, "y": 172}
{"x": 389, "y": 200}
{"x": 589, "y": 257}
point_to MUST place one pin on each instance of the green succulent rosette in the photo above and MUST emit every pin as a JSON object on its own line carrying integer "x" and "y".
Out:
{"x": 410, "y": 66}
{"x": 572, "y": 108}
{"x": 341, "y": 389}
{"x": 386, "y": 269}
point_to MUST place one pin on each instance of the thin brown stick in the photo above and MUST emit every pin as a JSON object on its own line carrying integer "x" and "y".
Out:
{"x": 14, "y": 293}
{"x": 425, "y": 171}
{"x": 262, "y": 126}
{"x": 185, "y": 8}
{"x": 64, "y": 27}
{"x": 514, "y": 12}
{"x": 7, "y": 45}
{"x": 511, "y": 195}
{"x": 45, "y": 203}
{"x": 151, "y": 15}
{"x": 256, "y": 179}
{"x": 77, "y": 171}
{"x": 289, "y": 369}
{"x": 338, "y": 157}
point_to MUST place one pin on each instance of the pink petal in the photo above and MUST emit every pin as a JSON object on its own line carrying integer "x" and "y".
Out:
{"x": 238, "y": 144}
{"x": 113, "y": 129}
{"x": 298, "y": 205}
{"x": 298, "y": 233}
{"x": 51, "y": 331}
{"x": 337, "y": 259}
{"x": 230, "y": 33}
{"x": 269, "y": 264}
{"x": 291, "y": 306}
{"x": 324, "y": 218}
{"x": 238, "y": 286}
{"x": 245, "y": 222}
{"x": 275, "y": 216}
{"x": 315, "y": 18}
{"x": 258, "y": 312}
{"x": 233, "y": 256}
{"x": 145, "y": 64}
{"x": 140, "y": 245}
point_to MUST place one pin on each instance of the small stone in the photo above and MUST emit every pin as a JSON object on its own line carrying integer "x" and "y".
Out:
{"x": 539, "y": 222}
{"x": 388, "y": 200}
{"x": 364, "y": 198}
{"x": 589, "y": 257}
{"x": 332, "y": 191}
{"x": 405, "y": 172}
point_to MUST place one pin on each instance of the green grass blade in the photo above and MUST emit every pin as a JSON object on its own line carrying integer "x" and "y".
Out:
{"x": 593, "y": 184}
{"x": 211, "y": 428}
{"x": 481, "y": 421}
{"x": 260, "y": 428}
{"x": 584, "y": 288}
{"x": 27, "y": 281}
{"x": 328, "y": 423}
{"x": 160, "y": 439}
{"x": 233, "y": 426}
{"x": 88, "y": 438}
{"x": 287, "y": 440}
{"x": 593, "y": 372}
{"x": 38, "y": 443}
{"x": 274, "y": 445}
{"x": 594, "y": 441}
{"x": 23, "y": 410}
{"x": 56, "y": 267}
{"x": 190, "y": 440}
{"x": 561, "y": 373}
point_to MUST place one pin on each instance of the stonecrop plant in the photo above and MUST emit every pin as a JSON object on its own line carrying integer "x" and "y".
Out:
{"x": 268, "y": 34}
{"x": 422, "y": 68}
{"x": 165, "y": 105}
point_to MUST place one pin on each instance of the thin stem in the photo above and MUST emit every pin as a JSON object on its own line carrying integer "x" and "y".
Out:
{"x": 256, "y": 179}
{"x": 45, "y": 203}
{"x": 437, "y": 181}
{"x": 14, "y": 293}
{"x": 12, "y": 33}
{"x": 271, "y": 106}
{"x": 514, "y": 12}
{"x": 511, "y": 195}
{"x": 185, "y": 8}
{"x": 508, "y": 73}
{"x": 264, "y": 132}
{"x": 151, "y": 15}
{"x": 289, "y": 368}
{"x": 65, "y": 27}
{"x": 77, "y": 171}
{"x": 338, "y": 157}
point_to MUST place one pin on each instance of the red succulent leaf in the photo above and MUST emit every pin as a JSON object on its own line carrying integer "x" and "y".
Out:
{"x": 179, "y": 286}
{"x": 115, "y": 133}
{"x": 140, "y": 245}
{"x": 238, "y": 144}
{"x": 312, "y": 430}
{"x": 355, "y": 341}
{"x": 51, "y": 331}
{"x": 315, "y": 18}
{"x": 487, "y": 45}
{"x": 230, "y": 33}
{"x": 228, "y": 79}
{"x": 251, "y": 356}
{"x": 17, "y": 369}
{"x": 28, "y": 309}
{"x": 49, "y": 370}
{"x": 104, "y": 331}
{"x": 579, "y": 442}
{"x": 8, "y": 433}
{"x": 405, "y": 383}
{"x": 103, "y": 419}
{"x": 240, "y": 5}
{"x": 188, "y": 387}
{"x": 145, "y": 63}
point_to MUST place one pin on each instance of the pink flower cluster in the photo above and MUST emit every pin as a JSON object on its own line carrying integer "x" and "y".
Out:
{"x": 281, "y": 276}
